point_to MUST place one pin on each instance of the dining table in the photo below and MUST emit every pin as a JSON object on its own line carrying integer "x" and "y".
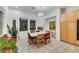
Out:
{"x": 42, "y": 36}
{"x": 37, "y": 33}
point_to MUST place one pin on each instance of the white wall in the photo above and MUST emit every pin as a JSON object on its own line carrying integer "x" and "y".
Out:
{"x": 40, "y": 21}
{"x": 53, "y": 14}
{"x": 49, "y": 20}
{"x": 5, "y": 17}
{"x": 15, "y": 14}
{"x": 9, "y": 15}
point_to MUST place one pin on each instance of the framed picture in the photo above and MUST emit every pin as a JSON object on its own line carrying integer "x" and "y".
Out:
{"x": 23, "y": 24}
{"x": 32, "y": 25}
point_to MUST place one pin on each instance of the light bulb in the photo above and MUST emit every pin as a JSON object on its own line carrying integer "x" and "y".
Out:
{"x": 40, "y": 14}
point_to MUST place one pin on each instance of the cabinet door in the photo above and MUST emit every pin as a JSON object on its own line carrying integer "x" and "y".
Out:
{"x": 71, "y": 16}
{"x": 77, "y": 42}
{"x": 77, "y": 14}
{"x": 64, "y": 17}
{"x": 72, "y": 32}
{"x": 63, "y": 31}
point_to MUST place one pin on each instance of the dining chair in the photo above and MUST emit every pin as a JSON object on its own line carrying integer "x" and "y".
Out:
{"x": 40, "y": 38}
{"x": 31, "y": 39}
{"x": 47, "y": 38}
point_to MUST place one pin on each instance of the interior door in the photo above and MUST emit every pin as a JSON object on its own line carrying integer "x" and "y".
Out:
{"x": 72, "y": 32}
{"x": 63, "y": 31}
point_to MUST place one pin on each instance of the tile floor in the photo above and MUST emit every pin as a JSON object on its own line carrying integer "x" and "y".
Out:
{"x": 54, "y": 47}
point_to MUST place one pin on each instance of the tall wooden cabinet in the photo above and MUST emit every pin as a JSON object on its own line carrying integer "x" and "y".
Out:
{"x": 72, "y": 35}
{"x": 71, "y": 26}
{"x": 64, "y": 17}
{"x": 63, "y": 27}
{"x": 71, "y": 16}
{"x": 63, "y": 31}
{"x": 77, "y": 18}
{"x": 69, "y": 33}
{"x": 77, "y": 14}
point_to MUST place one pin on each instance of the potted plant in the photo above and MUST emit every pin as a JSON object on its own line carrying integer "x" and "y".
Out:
{"x": 12, "y": 31}
{"x": 7, "y": 46}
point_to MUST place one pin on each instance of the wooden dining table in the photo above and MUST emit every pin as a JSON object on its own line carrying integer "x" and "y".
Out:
{"x": 36, "y": 36}
{"x": 37, "y": 33}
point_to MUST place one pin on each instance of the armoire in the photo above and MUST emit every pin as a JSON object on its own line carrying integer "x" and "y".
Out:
{"x": 69, "y": 27}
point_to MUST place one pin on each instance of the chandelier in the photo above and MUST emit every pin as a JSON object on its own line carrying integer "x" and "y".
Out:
{"x": 40, "y": 12}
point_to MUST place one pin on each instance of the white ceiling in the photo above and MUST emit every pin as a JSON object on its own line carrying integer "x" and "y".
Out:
{"x": 36, "y": 9}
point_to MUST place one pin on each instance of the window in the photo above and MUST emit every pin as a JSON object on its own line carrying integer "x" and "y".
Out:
{"x": 52, "y": 25}
{"x": 23, "y": 24}
{"x": 32, "y": 25}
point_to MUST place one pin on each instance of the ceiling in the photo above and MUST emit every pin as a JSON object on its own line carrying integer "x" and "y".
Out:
{"x": 36, "y": 9}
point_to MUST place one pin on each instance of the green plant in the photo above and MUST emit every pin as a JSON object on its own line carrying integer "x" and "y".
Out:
{"x": 5, "y": 42}
{"x": 12, "y": 31}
